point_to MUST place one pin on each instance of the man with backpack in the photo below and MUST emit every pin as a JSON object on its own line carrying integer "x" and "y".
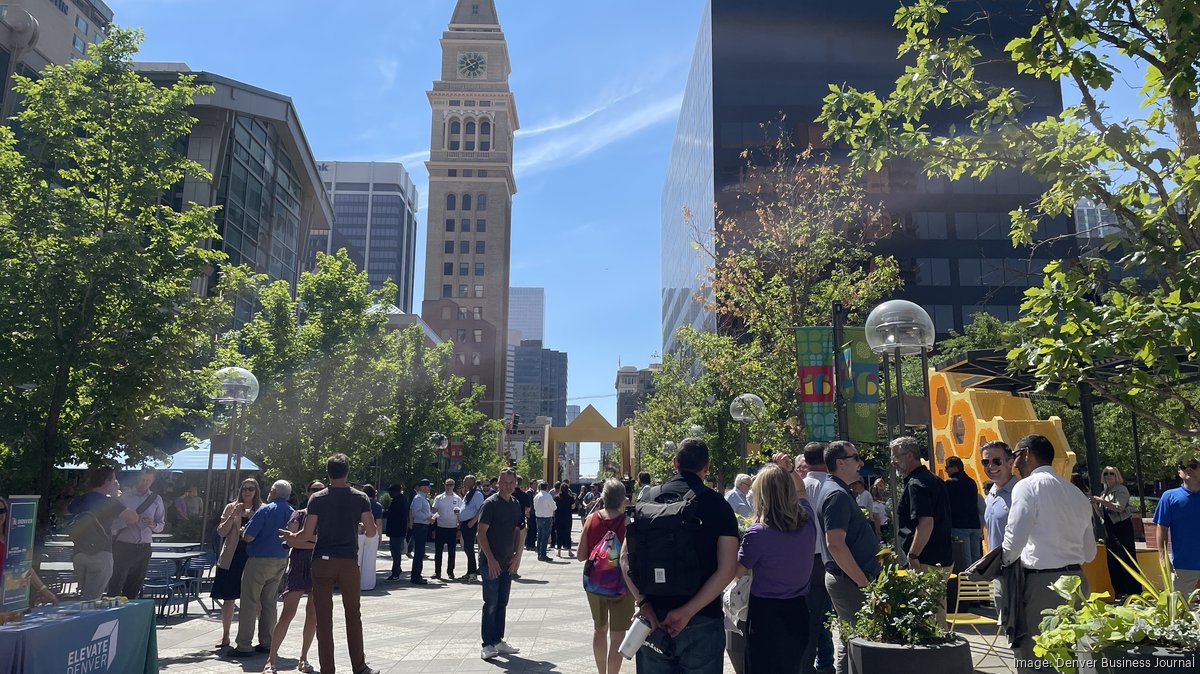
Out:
{"x": 680, "y": 554}
{"x": 90, "y": 529}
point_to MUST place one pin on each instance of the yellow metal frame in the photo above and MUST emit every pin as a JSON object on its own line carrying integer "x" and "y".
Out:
{"x": 589, "y": 426}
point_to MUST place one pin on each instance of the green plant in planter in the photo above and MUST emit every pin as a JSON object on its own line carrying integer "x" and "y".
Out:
{"x": 1166, "y": 618}
{"x": 902, "y": 607}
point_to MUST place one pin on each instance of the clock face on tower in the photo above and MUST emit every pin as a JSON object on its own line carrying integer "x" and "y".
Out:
{"x": 472, "y": 65}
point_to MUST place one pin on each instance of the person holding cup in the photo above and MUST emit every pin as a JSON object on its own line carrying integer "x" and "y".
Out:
{"x": 227, "y": 584}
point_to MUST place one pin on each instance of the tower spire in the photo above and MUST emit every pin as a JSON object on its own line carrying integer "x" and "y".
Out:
{"x": 475, "y": 14}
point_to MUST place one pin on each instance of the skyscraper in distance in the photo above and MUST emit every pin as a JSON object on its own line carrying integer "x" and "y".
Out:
{"x": 471, "y": 185}
{"x": 526, "y": 320}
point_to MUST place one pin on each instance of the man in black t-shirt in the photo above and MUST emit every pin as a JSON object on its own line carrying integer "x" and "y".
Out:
{"x": 695, "y": 624}
{"x": 923, "y": 512}
{"x": 499, "y": 553}
{"x": 335, "y": 516}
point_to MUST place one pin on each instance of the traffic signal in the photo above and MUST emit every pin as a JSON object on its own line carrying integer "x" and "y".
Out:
{"x": 516, "y": 422}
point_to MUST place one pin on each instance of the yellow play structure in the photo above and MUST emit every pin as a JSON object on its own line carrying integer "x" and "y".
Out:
{"x": 963, "y": 418}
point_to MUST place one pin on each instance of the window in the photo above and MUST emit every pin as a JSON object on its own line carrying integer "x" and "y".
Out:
{"x": 969, "y": 272}
{"x": 462, "y": 358}
{"x": 478, "y": 335}
{"x": 80, "y": 45}
{"x": 485, "y": 104}
{"x": 478, "y": 313}
{"x": 479, "y": 292}
{"x": 450, "y": 225}
{"x": 464, "y": 268}
{"x": 451, "y": 202}
{"x": 474, "y": 9}
{"x": 460, "y": 335}
{"x": 480, "y": 247}
{"x": 447, "y": 269}
{"x": 930, "y": 226}
{"x": 453, "y": 173}
{"x": 447, "y": 290}
{"x": 463, "y": 314}
{"x": 468, "y": 173}
{"x": 481, "y": 202}
{"x": 483, "y": 173}
{"x": 466, "y": 202}
{"x": 455, "y": 103}
{"x": 455, "y": 128}
{"x": 470, "y": 128}
{"x": 449, "y": 247}
{"x": 479, "y": 269}
{"x": 466, "y": 225}
{"x": 481, "y": 225}
{"x": 81, "y": 25}
{"x": 97, "y": 37}
{"x": 464, "y": 247}
{"x": 446, "y": 311}
{"x": 933, "y": 271}
{"x": 455, "y": 145}
{"x": 462, "y": 291}
{"x": 485, "y": 128}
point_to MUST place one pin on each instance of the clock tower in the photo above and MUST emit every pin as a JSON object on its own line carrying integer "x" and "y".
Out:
{"x": 471, "y": 187}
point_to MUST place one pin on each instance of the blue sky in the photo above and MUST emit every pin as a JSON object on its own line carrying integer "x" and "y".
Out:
{"x": 598, "y": 87}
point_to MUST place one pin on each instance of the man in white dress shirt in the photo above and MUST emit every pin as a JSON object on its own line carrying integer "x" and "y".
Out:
{"x": 1049, "y": 530}
{"x": 446, "y": 507}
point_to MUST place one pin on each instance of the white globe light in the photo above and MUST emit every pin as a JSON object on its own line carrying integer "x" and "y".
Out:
{"x": 236, "y": 385}
{"x": 746, "y": 407}
{"x": 899, "y": 326}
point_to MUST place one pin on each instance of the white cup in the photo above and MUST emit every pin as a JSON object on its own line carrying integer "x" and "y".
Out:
{"x": 635, "y": 637}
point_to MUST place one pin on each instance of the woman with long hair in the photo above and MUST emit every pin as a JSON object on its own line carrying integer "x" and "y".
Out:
{"x": 778, "y": 547}
{"x": 611, "y": 616}
{"x": 565, "y": 501}
{"x": 38, "y": 592}
{"x": 1113, "y": 503}
{"x": 227, "y": 583}
{"x": 298, "y": 584}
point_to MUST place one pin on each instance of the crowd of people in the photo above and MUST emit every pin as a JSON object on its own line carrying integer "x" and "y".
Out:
{"x": 808, "y": 530}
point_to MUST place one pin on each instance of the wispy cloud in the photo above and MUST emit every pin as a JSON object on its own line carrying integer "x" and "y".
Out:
{"x": 411, "y": 157}
{"x": 388, "y": 69}
{"x": 557, "y": 124}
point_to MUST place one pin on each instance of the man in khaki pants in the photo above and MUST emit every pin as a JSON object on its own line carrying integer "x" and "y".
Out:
{"x": 267, "y": 560}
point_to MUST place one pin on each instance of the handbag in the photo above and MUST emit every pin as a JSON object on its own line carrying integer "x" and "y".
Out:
{"x": 736, "y": 600}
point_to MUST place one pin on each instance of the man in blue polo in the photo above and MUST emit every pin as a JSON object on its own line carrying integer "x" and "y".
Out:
{"x": 1178, "y": 523}
{"x": 266, "y": 561}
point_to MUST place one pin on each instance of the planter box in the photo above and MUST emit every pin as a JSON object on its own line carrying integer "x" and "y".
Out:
{"x": 1137, "y": 659}
{"x": 1151, "y": 533}
{"x": 869, "y": 657}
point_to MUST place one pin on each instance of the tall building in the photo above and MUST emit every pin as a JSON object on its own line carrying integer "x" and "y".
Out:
{"x": 569, "y": 455}
{"x": 471, "y": 186}
{"x": 754, "y": 60}
{"x": 264, "y": 175}
{"x": 526, "y": 320}
{"x": 36, "y": 33}
{"x": 633, "y": 387}
{"x": 540, "y": 383}
{"x": 375, "y": 210}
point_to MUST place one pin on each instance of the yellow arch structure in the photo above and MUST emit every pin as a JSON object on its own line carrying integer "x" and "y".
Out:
{"x": 589, "y": 426}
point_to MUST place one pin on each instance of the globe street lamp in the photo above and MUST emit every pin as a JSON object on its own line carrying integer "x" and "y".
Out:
{"x": 744, "y": 409}
{"x": 439, "y": 442}
{"x": 236, "y": 387}
{"x": 894, "y": 329}
{"x": 696, "y": 431}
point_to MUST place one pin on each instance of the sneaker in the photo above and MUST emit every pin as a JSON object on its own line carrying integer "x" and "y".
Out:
{"x": 488, "y": 652}
{"x": 450, "y": 575}
{"x": 504, "y": 649}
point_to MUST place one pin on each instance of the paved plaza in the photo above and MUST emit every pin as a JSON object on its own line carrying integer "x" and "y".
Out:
{"x": 435, "y": 628}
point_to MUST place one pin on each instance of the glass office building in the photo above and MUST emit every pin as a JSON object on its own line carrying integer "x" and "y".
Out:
{"x": 756, "y": 60}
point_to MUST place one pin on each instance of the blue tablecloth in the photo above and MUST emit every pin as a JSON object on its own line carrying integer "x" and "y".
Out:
{"x": 113, "y": 641}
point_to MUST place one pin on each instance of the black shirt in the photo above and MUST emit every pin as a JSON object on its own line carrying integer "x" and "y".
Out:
{"x": 964, "y": 501}
{"x": 397, "y": 517}
{"x": 526, "y": 502}
{"x": 925, "y": 496}
{"x": 339, "y": 511}
{"x": 502, "y": 517}
{"x": 716, "y": 520}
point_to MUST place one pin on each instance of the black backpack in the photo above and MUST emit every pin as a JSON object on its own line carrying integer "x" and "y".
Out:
{"x": 88, "y": 534}
{"x": 661, "y": 542}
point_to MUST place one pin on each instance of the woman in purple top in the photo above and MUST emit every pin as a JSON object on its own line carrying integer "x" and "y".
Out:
{"x": 779, "y": 549}
{"x": 297, "y": 585}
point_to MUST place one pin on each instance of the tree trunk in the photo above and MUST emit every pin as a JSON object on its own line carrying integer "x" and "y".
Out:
{"x": 50, "y": 441}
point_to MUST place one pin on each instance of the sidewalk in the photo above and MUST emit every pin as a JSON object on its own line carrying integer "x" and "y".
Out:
{"x": 435, "y": 628}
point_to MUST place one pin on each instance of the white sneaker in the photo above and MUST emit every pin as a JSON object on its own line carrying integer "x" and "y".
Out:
{"x": 504, "y": 649}
{"x": 488, "y": 652}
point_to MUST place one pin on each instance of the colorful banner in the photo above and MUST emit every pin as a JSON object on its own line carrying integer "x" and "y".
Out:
{"x": 814, "y": 370}
{"x": 18, "y": 559}
{"x": 859, "y": 383}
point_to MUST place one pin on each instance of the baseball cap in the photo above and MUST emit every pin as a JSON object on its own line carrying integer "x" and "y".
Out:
{"x": 424, "y": 483}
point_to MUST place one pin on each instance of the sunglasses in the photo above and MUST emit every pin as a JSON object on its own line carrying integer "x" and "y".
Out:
{"x": 995, "y": 461}
{"x": 1109, "y": 473}
{"x": 856, "y": 457}
{"x": 249, "y": 488}
{"x": 1191, "y": 465}
{"x": 3, "y": 511}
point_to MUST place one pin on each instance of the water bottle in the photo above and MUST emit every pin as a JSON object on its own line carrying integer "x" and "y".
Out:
{"x": 635, "y": 637}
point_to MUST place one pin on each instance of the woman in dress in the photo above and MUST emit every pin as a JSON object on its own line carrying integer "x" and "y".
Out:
{"x": 565, "y": 502}
{"x": 297, "y": 585}
{"x": 778, "y": 547}
{"x": 1113, "y": 503}
{"x": 227, "y": 584}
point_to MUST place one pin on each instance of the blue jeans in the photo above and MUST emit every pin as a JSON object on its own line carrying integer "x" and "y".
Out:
{"x": 495, "y": 603}
{"x": 974, "y": 539}
{"x": 543, "y": 534}
{"x": 699, "y": 649}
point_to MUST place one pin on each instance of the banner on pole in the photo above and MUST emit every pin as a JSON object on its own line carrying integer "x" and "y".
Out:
{"x": 859, "y": 379}
{"x": 18, "y": 557}
{"x": 814, "y": 370}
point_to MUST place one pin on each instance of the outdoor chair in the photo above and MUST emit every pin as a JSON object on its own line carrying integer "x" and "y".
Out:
{"x": 977, "y": 591}
{"x": 197, "y": 574}
{"x": 164, "y": 588}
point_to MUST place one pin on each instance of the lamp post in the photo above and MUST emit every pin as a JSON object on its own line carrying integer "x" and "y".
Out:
{"x": 236, "y": 387}
{"x": 439, "y": 442}
{"x": 745, "y": 408}
{"x": 899, "y": 328}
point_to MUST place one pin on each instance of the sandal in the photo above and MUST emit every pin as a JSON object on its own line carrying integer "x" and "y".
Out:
{"x": 224, "y": 644}
{"x": 269, "y": 669}
{"x": 303, "y": 666}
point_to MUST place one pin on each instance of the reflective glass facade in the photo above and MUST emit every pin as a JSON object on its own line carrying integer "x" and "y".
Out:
{"x": 757, "y": 59}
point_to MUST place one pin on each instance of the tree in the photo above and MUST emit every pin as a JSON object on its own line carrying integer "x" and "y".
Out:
{"x": 102, "y": 341}
{"x": 532, "y": 464}
{"x": 1145, "y": 170}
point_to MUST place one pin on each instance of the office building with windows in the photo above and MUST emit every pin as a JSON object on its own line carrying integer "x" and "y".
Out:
{"x": 633, "y": 387}
{"x": 37, "y": 33}
{"x": 375, "y": 220}
{"x": 264, "y": 175}
{"x": 540, "y": 383}
{"x": 471, "y": 186}
{"x": 755, "y": 60}
{"x": 526, "y": 320}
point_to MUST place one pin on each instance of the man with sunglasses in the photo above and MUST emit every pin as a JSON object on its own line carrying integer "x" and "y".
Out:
{"x": 997, "y": 465}
{"x": 1049, "y": 531}
{"x": 848, "y": 549}
{"x": 1177, "y": 518}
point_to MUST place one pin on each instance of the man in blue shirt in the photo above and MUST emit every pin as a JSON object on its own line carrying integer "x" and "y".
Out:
{"x": 1178, "y": 520}
{"x": 469, "y": 521}
{"x": 266, "y": 561}
{"x": 421, "y": 514}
